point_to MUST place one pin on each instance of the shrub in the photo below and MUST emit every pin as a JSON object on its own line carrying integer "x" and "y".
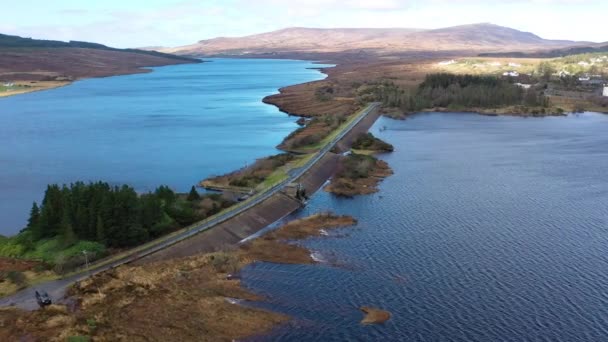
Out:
{"x": 224, "y": 262}
{"x": 17, "y": 278}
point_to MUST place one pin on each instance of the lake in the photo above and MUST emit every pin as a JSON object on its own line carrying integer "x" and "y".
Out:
{"x": 491, "y": 229}
{"x": 174, "y": 126}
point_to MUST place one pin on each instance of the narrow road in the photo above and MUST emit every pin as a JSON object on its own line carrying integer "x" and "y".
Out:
{"x": 56, "y": 289}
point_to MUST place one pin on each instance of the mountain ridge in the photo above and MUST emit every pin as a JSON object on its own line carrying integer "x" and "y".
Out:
{"x": 480, "y": 37}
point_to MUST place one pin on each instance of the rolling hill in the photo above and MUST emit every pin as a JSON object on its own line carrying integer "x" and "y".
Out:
{"x": 479, "y": 37}
{"x": 47, "y": 60}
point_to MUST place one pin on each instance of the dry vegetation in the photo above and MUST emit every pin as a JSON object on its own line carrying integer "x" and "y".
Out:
{"x": 17, "y": 274}
{"x": 177, "y": 300}
{"x": 368, "y": 142}
{"x": 311, "y": 135}
{"x": 66, "y": 64}
{"x": 251, "y": 176}
{"x": 476, "y": 37}
{"x": 358, "y": 175}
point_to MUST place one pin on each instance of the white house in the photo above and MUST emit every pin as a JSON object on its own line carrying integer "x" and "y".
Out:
{"x": 447, "y": 62}
{"x": 605, "y": 90}
{"x": 9, "y": 84}
{"x": 523, "y": 85}
{"x": 511, "y": 74}
{"x": 584, "y": 78}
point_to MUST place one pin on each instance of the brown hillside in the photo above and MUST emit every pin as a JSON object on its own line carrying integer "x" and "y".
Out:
{"x": 481, "y": 37}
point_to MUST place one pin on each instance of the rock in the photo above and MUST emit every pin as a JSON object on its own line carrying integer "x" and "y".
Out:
{"x": 374, "y": 316}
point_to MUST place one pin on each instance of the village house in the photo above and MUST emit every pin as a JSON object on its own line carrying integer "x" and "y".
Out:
{"x": 511, "y": 74}
{"x": 447, "y": 62}
{"x": 9, "y": 84}
{"x": 605, "y": 90}
{"x": 523, "y": 85}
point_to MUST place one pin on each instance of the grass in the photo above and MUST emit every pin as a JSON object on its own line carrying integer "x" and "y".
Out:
{"x": 48, "y": 250}
{"x": 27, "y": 87}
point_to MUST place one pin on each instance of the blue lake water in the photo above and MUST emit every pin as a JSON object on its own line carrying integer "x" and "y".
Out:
{"x": 174, "y": 126}
{"x": 491, "y": 229}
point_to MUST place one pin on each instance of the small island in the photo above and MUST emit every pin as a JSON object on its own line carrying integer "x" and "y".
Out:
{"x": 358, "y": 174}
{"x": 374, "y": 316}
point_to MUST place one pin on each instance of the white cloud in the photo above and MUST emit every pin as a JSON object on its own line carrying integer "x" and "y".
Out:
{"x": 185, "y": 22}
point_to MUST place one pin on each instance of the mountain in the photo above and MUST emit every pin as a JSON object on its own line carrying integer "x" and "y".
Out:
{"x": 7, "y": 41}
{"x": 480, "y": 37}
{"x": 290, "y": 39}
{"x": 26, "y": 59}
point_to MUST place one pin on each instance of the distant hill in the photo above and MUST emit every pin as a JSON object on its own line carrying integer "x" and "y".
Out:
{"x": 7, "y": 41}
{"x": 477, "y": 37}
{"x": 26, "y": 59}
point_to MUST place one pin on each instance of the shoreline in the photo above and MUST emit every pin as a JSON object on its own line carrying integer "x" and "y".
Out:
{"x": 164, "y": 290}
{"x": 258, "y": 218}
{"x": 55, "y": 84}
{"x": 40, "y": 86}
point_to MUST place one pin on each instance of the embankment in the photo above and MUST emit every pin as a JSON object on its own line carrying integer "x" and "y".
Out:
{"x": 273, "y": 209}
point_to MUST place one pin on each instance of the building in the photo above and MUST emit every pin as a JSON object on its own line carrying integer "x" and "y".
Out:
{"x": 9, "y": 84}
{"x": 447, "y": 62}
{"x": 523, "y": 85}
{"x": 514, "y": 65}
{"x": 511, "y": 74}
{"x": 605, "y": 90}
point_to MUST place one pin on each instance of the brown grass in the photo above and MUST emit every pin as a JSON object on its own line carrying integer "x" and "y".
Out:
{"x": 248, "y": 177}
{"x": 344, "y": 185}
{"x": 55, "y": 64}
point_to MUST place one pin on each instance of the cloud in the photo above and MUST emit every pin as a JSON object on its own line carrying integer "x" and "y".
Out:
{"x": 174, "y": 22}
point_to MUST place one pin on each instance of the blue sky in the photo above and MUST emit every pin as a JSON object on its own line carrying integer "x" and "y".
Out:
{"x": 134, "y": 23}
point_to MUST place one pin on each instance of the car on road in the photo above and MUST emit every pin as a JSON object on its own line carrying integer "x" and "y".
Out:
{"x": 43, "y": 298}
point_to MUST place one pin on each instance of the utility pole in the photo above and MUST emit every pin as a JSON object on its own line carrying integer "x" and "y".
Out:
{"x": 86, "y": 260}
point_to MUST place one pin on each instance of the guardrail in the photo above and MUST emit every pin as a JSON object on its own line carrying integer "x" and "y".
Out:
{"x": 209, "y": 223}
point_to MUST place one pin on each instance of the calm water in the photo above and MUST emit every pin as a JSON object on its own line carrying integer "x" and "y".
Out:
{"x": 491, "y": 229}
{"x": 174, "y": 126}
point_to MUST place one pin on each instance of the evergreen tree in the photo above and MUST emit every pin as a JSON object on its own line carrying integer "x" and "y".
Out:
{"x": 193, "y": 195}
{"x": 67, "y": 236}
{"x": 33, "y": 223}
{"x": 100, "y": 230}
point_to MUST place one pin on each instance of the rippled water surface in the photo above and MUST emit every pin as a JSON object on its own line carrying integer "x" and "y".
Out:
{"x": 491, "y": 229}
{"x": 174, "y": 126}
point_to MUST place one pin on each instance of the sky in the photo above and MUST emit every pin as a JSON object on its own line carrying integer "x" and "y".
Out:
{"x": 140, "y": 23}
